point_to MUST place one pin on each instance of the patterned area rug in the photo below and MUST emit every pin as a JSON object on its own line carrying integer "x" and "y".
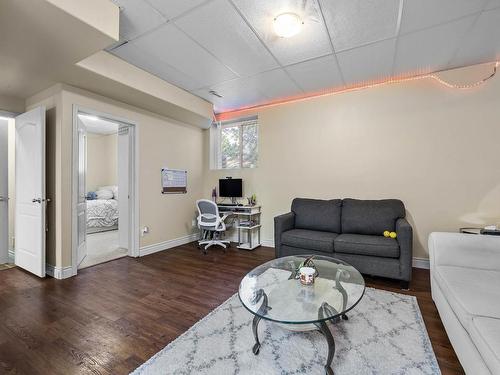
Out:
{"x": 385, "y": 334}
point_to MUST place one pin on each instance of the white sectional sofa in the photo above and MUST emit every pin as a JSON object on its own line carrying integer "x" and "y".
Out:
{"x": 465, "y": 283}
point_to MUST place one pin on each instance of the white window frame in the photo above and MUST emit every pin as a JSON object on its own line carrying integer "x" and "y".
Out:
{"x": 215, "y": 141}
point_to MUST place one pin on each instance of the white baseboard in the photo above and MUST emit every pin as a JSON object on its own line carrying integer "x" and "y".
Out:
{"x": 160, "y": 246}
{"x": 416, "y": 263}
{"x": 58, "y": 272}
{"x": 421, "y": 263}
{"x": 267, "y": 243}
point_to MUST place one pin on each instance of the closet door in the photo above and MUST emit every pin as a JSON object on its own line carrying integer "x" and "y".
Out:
{"x": 30, "y": 206}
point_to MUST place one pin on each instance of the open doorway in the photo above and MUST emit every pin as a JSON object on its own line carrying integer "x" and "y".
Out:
{"x": 7, "y": 165}
{"x": 104, "y": 206}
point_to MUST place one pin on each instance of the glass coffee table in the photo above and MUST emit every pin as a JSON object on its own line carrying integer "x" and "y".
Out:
{"x": 272, "y": 292}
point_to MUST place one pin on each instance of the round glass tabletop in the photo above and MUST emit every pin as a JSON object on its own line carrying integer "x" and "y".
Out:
{"x": 272, "y": 291}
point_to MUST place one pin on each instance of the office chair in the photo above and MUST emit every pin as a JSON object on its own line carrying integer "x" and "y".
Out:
{"x": 211, "y": 224}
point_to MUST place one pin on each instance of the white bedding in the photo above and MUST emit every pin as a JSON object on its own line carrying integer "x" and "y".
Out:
{"x": 102, "y": 213}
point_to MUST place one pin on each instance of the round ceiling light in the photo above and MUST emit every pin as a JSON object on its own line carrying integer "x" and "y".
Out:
{"x": 287, "y": 25}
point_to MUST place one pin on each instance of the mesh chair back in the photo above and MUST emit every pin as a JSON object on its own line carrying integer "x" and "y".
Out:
{"x": 209, "y": 214}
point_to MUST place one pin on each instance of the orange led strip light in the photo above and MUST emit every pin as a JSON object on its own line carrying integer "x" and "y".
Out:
{"x": 235, "y": 113}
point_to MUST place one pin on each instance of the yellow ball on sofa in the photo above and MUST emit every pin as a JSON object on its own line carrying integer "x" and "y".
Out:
{"x": 393, "y": 235}
{"x": 387, "y": 233}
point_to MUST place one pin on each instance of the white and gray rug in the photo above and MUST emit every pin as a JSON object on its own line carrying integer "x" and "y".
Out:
{"x": 385, "y": 334}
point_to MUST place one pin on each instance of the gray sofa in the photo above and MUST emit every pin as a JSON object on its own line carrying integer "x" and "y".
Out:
{"x": 350, "y": 230}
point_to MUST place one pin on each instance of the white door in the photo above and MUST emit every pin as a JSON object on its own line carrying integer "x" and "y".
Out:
{"x": 123, "y": 166}
{"x": 4, "y": 191}
{"x": 31, "y": 201}
{"x": 81, "y": 204}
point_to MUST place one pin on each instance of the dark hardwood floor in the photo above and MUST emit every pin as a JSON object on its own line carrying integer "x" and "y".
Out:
{"x": 112, "y": 317}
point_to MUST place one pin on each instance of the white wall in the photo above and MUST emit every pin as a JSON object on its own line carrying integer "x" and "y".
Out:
{"x": 435, "y": 148}
{"x": 102, "y": 153}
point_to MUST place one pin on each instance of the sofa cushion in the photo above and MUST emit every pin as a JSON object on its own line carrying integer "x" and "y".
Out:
{"x": 361, "y": 244}
{"x": 309, "y": 239}
{"x": 371, "y": 216}
{"x": 485, "y": 333}
{"x": 470, "y": 292}
{"x": 317, "y": 214}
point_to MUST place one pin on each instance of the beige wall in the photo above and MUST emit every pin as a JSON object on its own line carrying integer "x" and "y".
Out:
{"x": 102, "y": 153}
{"x": 435, "y": 148}
{"x": 162, "y": 143}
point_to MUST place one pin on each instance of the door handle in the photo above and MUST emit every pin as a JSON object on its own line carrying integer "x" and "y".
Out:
{"x": 40, "y": 200}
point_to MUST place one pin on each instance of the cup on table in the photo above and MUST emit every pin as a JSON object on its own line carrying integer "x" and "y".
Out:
{"x": 307, "y": 275}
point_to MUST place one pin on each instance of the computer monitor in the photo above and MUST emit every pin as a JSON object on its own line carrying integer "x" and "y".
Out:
{"x": 231, "y": 188}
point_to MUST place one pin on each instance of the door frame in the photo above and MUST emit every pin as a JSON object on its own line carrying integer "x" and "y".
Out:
{"x": 133, "y": 250}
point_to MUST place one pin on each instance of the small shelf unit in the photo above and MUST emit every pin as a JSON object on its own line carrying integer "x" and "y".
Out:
{"x": 248, "y": 235}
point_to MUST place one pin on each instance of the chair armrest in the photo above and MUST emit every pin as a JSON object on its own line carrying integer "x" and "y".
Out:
{"x": 282, "y": 223}
{"x": 405, "y": 241}
{"x": 464, "y": 250}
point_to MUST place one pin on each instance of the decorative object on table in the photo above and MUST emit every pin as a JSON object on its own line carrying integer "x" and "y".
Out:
{"x": 307, "y": 275}
{"x": 252, "y": 201}
{"x": 214, "y": 194}
{"x": 308, "y": 262}
{"x": 173, "y": 181}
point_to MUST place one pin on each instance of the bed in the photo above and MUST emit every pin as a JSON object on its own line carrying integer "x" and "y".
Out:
{"x": 102, "y": 215}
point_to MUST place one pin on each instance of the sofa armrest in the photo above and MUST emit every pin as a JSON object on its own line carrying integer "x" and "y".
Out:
{"x": 405, "y": 241}
{"x": 464, "y": 250}
{"x": 282, "y": 223}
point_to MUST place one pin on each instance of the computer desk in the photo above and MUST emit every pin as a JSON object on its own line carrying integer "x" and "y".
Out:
{"x": 248, "y": 224}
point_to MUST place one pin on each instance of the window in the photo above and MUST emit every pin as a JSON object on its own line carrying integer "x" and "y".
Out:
{"x": 235, "y": 144}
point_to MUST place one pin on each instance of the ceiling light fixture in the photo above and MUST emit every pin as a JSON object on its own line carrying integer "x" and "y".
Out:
{"x": 287, "y": 25}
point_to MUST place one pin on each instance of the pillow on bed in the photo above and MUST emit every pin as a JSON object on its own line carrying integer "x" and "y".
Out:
{"x": 104, "y": 194}
{"x": 113, "y": 188}
{"x": 91, "y": 195}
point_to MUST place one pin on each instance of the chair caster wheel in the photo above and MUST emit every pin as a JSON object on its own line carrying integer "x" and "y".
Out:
{"x": 256, "y": 349}
{"x": 345, "y": 317}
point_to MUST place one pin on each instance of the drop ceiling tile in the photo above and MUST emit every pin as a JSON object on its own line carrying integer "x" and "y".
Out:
{"x": 229, "y": 38}
{"x": 137, "y": 17}
{"x": 237, "y": 93}
{"x": 311, "y": 42}
{"x": 420, "y": 14}
{"x": 352, "y": 23}
{"x": 317, "y": 74}
{"x": 369, "y": 63}
{"x": 430, "y": 49}
{"x": 174, "y": 8}
{"x": 481, "y": 44}
{"x": 130, "y": 53}
{"x": 492, "y": 4}
{"x": 172, "y": 46}
{"x": 275, "y": 84}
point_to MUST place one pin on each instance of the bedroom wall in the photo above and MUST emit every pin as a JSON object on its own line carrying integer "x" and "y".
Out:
{"x": 162, "y": 143}
{"x": 433, "y": 147}
{"x": 102, "y": 153}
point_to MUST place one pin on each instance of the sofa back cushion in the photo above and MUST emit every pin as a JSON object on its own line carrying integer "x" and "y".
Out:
{"x": 371, "y": 216}
{"x": 317, "y": 214}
